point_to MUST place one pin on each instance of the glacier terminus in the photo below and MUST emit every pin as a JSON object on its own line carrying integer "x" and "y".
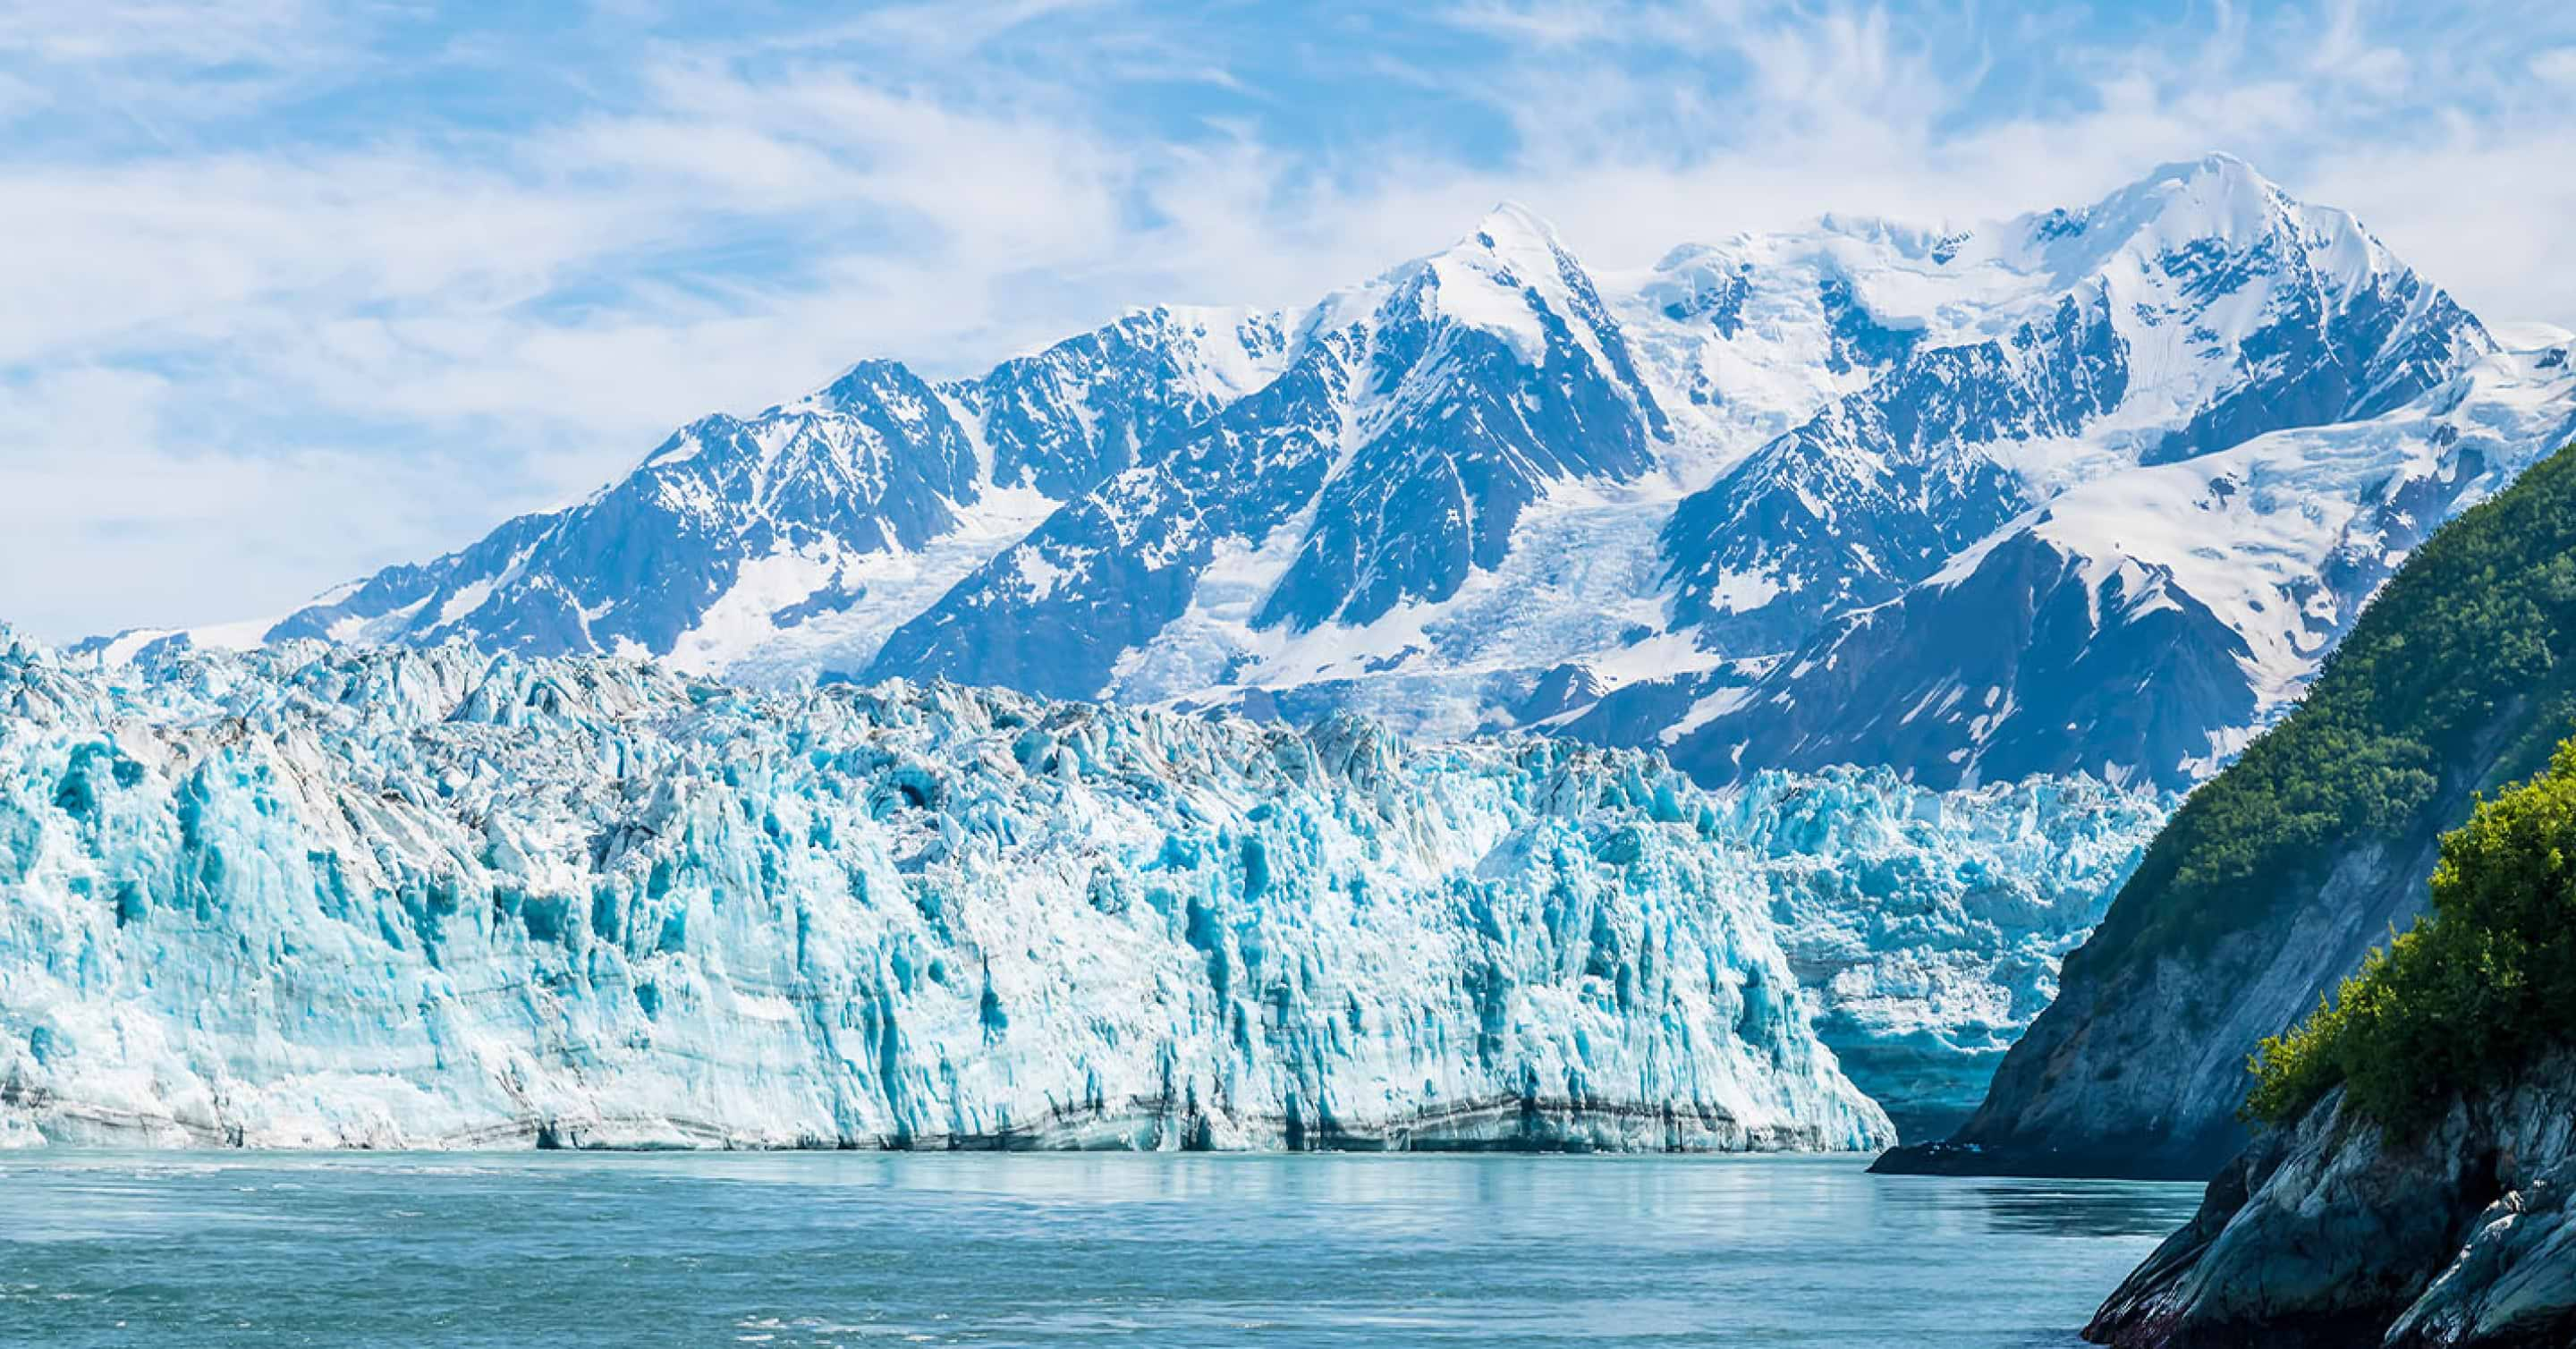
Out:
{"x": 316, "y": 896}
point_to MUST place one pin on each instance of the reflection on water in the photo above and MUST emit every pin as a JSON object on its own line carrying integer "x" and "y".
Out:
{"x": 987, "y": 1249}
{"x": 2058, "y": 1208}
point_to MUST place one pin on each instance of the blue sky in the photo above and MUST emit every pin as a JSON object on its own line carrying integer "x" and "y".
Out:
{"x": 299, "y": 289}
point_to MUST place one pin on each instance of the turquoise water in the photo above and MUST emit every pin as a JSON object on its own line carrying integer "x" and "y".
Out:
{"x": 989, "y": 1249}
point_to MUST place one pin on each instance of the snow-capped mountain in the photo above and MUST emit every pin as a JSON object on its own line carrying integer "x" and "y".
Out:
{"x": 2121, "y": 533}
{"x": 815, "y": 526}
{"x": 2141, "y": 624}
{"x": 1944, "y": 499}
{"x": 1417, "y": 421}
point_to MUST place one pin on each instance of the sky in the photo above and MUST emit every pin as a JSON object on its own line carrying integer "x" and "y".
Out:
{"x": 296, "y": 289}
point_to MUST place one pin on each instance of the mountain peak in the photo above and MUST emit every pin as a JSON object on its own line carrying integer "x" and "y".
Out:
{"x": 2217, "y": 164}
{"x": 2215, "y": 196}
{"x": 1511, "y": 225}
{"x": 2216, "y": 204}
{"x": 1496, "y": 278}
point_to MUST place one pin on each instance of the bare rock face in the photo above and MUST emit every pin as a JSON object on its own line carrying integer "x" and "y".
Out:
{"x": 2331, "y": 1232}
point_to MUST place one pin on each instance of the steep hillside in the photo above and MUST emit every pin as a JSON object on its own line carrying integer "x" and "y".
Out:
{"x": 2413, "y": 1188}
{"x": 2273, "y": 879}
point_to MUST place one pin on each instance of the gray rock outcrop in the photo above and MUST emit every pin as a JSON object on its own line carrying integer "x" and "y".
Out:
{"x": 2334, "y": 1232}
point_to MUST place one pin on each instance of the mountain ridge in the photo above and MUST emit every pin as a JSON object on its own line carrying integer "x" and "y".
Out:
{"x": 1490, "y": 488}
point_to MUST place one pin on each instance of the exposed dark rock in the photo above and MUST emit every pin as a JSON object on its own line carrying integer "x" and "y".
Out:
{"x": 2332, "y": 1232}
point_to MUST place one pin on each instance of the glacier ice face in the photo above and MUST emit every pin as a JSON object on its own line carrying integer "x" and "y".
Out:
{"x": 1928, "y": 926}
{"x": 315, "y": 896}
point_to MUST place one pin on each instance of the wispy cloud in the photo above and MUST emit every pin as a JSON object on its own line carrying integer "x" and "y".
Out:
{"x": 299, "y": 289}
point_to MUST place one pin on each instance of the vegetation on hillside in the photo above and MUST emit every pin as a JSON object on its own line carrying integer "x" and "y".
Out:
{"x": 2483, "y": 615}
{"x": 2474, "y": 990}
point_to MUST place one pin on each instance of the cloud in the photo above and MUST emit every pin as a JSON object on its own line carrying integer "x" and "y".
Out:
{"x": 107, "y": 509}
{"x": 301, "y": 289}
{"x": 2557, "y": 65}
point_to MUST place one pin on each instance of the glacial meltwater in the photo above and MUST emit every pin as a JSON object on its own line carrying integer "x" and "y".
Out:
{"x": 794, "y": 1249}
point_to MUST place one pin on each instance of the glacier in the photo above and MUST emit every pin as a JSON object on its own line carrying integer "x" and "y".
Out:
{"x": 1927, "y": 926}
{"x": 314, "y": 896}
{"x": 321, "y": 896}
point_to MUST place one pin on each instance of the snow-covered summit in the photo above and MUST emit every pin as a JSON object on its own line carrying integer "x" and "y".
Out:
{"x": 1507, "y": 276}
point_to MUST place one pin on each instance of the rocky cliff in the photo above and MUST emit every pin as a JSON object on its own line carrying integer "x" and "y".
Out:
{"x": 2334, "y": 1232}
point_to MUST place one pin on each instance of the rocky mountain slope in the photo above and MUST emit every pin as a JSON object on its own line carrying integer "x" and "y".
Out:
{"x": 2272, "y": 880}
{"x": 1939, "y": 499}
{"x": 2213, "y": 583}
{"x": 817, "y": 524}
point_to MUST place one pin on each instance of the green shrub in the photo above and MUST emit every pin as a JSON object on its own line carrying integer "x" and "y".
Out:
{"x": 2471, "y": 993}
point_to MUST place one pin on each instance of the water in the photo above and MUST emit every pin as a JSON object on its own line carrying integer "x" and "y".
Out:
{"x": 987, "y": 1249}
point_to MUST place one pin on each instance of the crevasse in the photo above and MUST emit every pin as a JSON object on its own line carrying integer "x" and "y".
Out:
{"x": 318, "y": 897}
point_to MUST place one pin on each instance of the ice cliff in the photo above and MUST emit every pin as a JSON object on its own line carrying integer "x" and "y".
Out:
{"x": 314, "y": 896}
{"x": 1928, "y": 926}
